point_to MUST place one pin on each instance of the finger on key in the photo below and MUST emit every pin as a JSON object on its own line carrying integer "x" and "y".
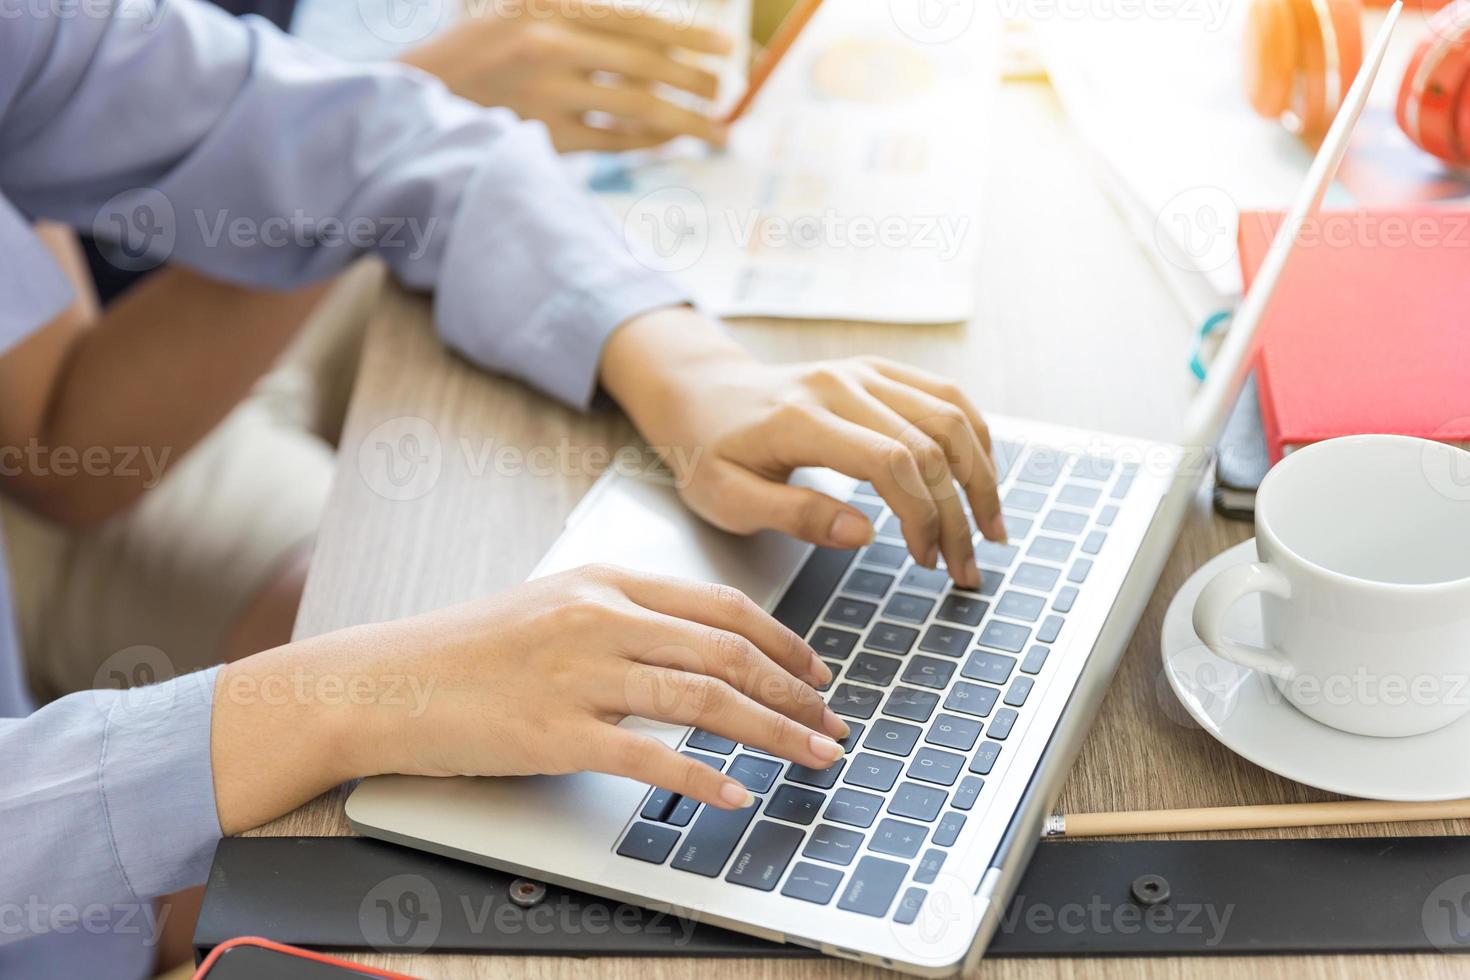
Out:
{"x": 813, "y": 436}
{"x": 863, "y": 407}
{"x": 682, "y": 645}
{"x": 682, "y": 698}
{"x": 949, "y": 426}
{"x": 646, "y": 759}
{"x": 727, "y": 608}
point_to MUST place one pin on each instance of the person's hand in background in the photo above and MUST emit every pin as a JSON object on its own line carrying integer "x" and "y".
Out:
{"x": 734, "y": 429}
{"x": 559, "y": 63}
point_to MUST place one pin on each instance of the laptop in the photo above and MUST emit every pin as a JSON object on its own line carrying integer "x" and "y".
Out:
{"x": 966, "y": 707}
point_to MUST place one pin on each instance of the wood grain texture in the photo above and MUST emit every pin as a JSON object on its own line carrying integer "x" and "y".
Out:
{"x": 1074, "y": 327}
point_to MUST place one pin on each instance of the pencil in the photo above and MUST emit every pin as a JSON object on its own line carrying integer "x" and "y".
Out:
{"x": 784, "y": 38}
{"x": 1249, "y": 817}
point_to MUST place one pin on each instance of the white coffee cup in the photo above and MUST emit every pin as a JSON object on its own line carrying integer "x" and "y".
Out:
{"x": 1364, "y": 578}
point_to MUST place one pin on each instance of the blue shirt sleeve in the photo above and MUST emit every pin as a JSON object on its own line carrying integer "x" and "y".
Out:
{"x": 106, "y": 797}
{"x": 226, "y": 146}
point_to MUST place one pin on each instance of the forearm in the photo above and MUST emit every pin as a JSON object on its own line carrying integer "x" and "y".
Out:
{"x": 153, "y": 375}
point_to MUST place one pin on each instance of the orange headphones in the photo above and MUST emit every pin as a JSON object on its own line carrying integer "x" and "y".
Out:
{"x": 1301, "y": 56}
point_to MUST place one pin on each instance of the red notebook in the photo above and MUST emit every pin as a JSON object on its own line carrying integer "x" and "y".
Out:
{"x": 1369, "y": 330}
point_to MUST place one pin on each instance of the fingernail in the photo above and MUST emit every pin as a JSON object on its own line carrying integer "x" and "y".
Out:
{"x": 736, "y": 795}
{"x": 972, "y": 574}
{"x": 995, "y": 528}
{"x": 834, "y": 724}
{"x": 821, "y": 671}
{"x": 850, "y": 530}
{"x": 931, "y": 557}
{"x": 824, "y": 748}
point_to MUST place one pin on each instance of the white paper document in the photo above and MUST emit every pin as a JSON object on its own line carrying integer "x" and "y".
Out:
{"x": 850, "y": 190}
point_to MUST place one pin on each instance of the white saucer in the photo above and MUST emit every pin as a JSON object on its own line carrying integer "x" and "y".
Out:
{"x": 1246, "y": 712}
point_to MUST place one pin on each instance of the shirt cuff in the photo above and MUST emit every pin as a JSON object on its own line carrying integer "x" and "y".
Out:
{"x": 157, "y": 783}
{"x": 543, "y": 310}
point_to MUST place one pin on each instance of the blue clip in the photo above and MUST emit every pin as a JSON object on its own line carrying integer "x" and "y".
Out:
{"x": 1196, "y": 353}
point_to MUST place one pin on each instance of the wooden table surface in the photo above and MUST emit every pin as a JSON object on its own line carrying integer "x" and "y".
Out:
{"x": 1074, "y": 326}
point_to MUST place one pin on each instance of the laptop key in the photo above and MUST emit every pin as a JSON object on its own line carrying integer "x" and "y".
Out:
{"x": 810, "y": 590}
{"x": 892, "y": 736}
{"x": 645, "y": 842}
{"x": 963, "y": 609}
{"x": 865, "y": 487}
{"x": 1017, "y": 527}
{"x": 892, "y": 638}
{"x": 864, "y": 581}
{"x": 1065, "y": 599}
{"x": 897, "y": 837}
{"x": 812, "y": 883}
{"x": 1093, "y": 543}
{"x": 1005, "y": 636}
{"x": 1050, "y": 628}
{"x": 946, "y": 640}
{"x": 871, "y": 509}
{"x": 910, "y": 703}
{"x": 891, "y": 528}
{"x": 1020, "y": 605}
{"x": 929, "y": 866}
{"x": 1025, "y": 501}
{"x": 851, "y": 612}
{"x": 795, "y": 804}
{"x": 832, "y": 843}
{"x": 934, "y": 766}
{"x": 884, "y": 555}
{"x": 1079, "y": 571}
{"x": 1050, "y": 549}
{"x": 954, "y": 732}
{"x": 909, "y": 906}
{"x": 854, "y": 732}
{"x": 755, "y": 773}
{"x": 1002, "y": 723}
{"x": 821, "y": 778}
{"x": 660, "y": 804}
{"x": 710, "y": 742}
{"x": 949, "y": 829}
{"x": 1076, "y": 495}
{"x": 1065, "y": 521}
{"x": 837, "y": 644}
{"x": 763, "y": 859}
{"x": 990, "y": 580}
{"x": 985, "y": 757}
{"x": 1107, "y": 515}
{"x": 1019, "y": 690}
{"x": 869, "y": 668}
{"x": 1032, "y": 576}
{"x": 1043, "y": 467}
{"x": 992, "y": 668}
{"x": 925, "y": 579}
{"x": 873, "y": 772}
{"x": 992, "y": 553}
{"x": 912, "y": 608}
{"x": 709, "y": 843}
{"x": 1005, "y": 454}
{"x": 683, "y": 811}
{"x": 916, "y": 801}
{"x": 972, "y": 699}
{"x": 853, "y": 808}
{"x": 1035, "y": 659}
{"x": 968, "y": 790}
{"x": 928, "y": 672}
{"x": 855, "y": 702}
{"x": 872, "y": 887}
{"x": 714, "y": 762}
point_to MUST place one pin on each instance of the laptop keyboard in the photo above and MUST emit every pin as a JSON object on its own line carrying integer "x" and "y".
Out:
{"x": 932, "y": 680}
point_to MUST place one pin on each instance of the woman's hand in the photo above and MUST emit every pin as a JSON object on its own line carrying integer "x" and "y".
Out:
{"x": 733, "y": 429}
{"x": 557, "y": 63}
{"x": 533, "y": 680}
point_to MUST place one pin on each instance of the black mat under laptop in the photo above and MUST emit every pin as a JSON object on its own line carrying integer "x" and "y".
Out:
{"x": 1383, "y": 894}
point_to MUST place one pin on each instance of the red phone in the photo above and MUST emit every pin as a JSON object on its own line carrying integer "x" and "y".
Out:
{"x": 253, "y": 958}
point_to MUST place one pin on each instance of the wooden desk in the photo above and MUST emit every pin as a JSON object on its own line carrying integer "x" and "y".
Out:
{"x": 1074, "y": 326}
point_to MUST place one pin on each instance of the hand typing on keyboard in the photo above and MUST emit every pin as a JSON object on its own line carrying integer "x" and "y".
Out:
{"x": 535, "y": 680}
{"x": 733, "y": 430}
